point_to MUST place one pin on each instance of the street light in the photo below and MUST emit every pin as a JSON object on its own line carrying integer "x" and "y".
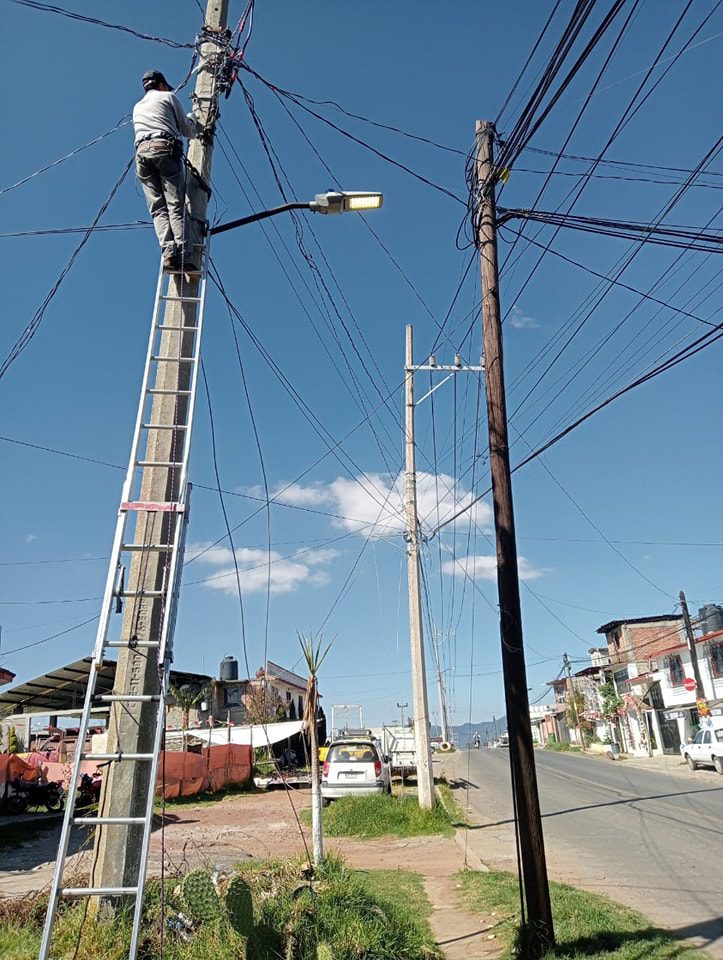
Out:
{"x": 331, "y": 202}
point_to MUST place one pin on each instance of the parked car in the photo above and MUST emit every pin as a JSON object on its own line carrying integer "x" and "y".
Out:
{"x": 354, "y": 767}
{"x": 706, "y": 750}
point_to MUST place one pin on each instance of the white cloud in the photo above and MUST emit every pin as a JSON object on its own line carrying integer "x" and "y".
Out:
{"x": 31, "y": 538}
{"x": 288, "y": 573}
{"x": 372, "y": 504}
{"x": 481, "y": 567}
{"x": 295, "y": 494}
{"x": 521, "y": 320}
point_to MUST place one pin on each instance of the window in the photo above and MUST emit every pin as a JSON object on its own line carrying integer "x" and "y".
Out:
{"x": 698, "y": 737}
{"x": 706, "y": 736}
{"x": 288, "y": 696}
{"x": 715, "y": 658}
{"x": 301, "y": 706}
{"x": 232, "y": 696}
{"x": 719, "y": 736}
{"x": 676, "y": 674}
{"x": 352, "y": 753}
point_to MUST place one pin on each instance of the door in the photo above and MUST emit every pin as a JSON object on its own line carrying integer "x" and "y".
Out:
{"x": 707, "y": 747}
{"x": 695, "y": 749}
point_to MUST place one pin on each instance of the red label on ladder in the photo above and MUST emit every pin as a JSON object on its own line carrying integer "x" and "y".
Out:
{"x": 151, "y": 507}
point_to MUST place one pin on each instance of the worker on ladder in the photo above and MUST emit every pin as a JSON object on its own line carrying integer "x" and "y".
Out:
{"x": 159, "y": 126}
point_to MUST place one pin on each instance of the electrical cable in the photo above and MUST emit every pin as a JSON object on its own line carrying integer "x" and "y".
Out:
{"x": 32, "y": 327}
{"x": 50, "y": 8}
{"x": 49, "y": 166}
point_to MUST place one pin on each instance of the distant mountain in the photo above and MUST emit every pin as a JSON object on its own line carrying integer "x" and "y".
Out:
{"x": 464, "y": 732}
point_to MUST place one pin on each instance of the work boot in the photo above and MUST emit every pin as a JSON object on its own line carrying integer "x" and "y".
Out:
{"x": 171, "y": 262}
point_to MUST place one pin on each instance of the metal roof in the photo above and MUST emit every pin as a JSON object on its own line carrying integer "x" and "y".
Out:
{"x": 619, "y": 623}
{"x": 61, "y": 689}
{"x": 286, "y": 676}
{"x": 64, "y": 688}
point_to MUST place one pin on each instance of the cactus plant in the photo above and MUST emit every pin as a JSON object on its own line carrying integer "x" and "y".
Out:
{"x": 239, "y": 906}
{"x": 200, "y": 897}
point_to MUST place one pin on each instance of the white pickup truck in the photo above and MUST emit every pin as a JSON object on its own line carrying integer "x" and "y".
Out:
{"x": 706, "y": 750}
{"x": 397, "y": 742}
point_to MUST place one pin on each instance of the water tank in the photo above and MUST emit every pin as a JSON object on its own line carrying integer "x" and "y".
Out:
{"x": 711, "y": 617}
{"x": 228, "y": 669}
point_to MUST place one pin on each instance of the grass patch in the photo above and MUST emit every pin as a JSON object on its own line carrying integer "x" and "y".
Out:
{"x": 382, "y": 815}
{"x": 347, "y": 915}
{"x": 587, "y": 925}
{"x": 450, "y": 803}
{"x": 562, "y": 747}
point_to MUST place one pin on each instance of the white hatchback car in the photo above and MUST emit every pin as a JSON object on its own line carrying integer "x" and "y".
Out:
{"x": 707, "y": 747}
{"x": 354, "y": 767}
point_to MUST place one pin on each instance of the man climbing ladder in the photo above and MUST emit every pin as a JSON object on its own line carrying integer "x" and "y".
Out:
{"x": 159, "y": 126}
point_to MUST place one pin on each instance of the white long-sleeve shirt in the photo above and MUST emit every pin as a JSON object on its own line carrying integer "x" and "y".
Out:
{"x": 160, "y": 112}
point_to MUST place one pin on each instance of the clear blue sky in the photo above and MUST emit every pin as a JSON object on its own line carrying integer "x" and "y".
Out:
{"x": 644, "y": 471}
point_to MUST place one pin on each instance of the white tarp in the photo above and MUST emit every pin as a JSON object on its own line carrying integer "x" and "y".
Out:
{"x": 256, "y": 735}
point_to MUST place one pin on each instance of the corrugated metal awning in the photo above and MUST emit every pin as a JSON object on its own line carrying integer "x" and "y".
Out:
{"x": 60, "y": 689}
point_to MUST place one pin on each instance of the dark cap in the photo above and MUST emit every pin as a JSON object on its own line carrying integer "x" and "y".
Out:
{"x": 151, "y": 78}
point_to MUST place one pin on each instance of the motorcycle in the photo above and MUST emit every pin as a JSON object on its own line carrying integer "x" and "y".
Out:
{"x": 476, "y": 743}
{"x": 88, "y": 793}
{"x": 32, "y": 793}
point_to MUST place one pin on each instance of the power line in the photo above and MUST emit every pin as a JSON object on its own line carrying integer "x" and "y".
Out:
{"x": 71, "y": 15}
{"x": 689, "y": 238}
{"x": 49, "y": 166}
{"x": 32, "y": 327}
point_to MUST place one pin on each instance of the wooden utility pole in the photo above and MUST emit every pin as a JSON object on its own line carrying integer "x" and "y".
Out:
{"x": 131, "y": 724}
{"x": 425, "y": 779}
{"x": 571, "y": 694}
{"x": 690, "y": 638}
{"x": 524, "y": 777}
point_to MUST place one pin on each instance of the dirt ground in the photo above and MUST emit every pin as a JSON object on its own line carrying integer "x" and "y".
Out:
{"x": 264, "y": 825}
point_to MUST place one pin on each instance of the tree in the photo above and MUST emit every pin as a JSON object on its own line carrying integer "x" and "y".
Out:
{"x": 263, "y": 703}
{"x": 311, "y": 647}
{"x": 612, "y": 706}
{"x": 186, "y": 698}
{"x": 13, "y": 745}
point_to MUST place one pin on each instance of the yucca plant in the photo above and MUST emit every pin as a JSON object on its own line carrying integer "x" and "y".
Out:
{"x": 314, "y": 653}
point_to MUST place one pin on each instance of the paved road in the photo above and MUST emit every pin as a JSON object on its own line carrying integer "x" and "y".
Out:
{"x": 652, "y": 840}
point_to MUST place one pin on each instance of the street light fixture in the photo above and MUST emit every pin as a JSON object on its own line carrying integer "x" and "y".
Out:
{"x": 331, "y": 202}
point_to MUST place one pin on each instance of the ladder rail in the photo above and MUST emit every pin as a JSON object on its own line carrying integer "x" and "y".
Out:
{"x": 168, "y": 599}
{"x": 193, "y": 385}
{"x": 165, "y": 655}
{"x": 138, "y": 427}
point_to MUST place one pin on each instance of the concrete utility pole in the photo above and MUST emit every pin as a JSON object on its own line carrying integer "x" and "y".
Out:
{"x": 700, "y": 689}
{"x": 131, "y": 725}
{"x": 571, "y": 694}
{"x": 522, "y": 761}
{"x": 443, "y": 716}
{"x": 425, "y": 779}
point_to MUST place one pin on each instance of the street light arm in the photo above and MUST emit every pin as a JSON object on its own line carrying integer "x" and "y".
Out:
{"x": 253, "y": 217}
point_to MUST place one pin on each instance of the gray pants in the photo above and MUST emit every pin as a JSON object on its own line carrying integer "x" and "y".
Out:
{"x": 161, "y": 172}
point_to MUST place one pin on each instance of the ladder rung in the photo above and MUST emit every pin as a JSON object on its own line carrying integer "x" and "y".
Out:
{"x": 97, "y": 891}
{"x": 159, "y": 463}
{"x": 116, "y": 756}
{"x": 126, "y": 645}
{"x": 165, "y": 426}
{"x": 139, "y": 547}
{"x": 159, "y": 359}
{"x": 128, "y": 697}
{"x": 108, "y": 821}
{"x": 164, "y": 392}
{"x": 154, "y": 506}
{"x": 127, "y": 594}
{"x": 181, "y": 299}
{"x": 176, "y": 327}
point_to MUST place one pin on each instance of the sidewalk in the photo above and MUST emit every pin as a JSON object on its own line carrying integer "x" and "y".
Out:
{"x": 666, "y": 763}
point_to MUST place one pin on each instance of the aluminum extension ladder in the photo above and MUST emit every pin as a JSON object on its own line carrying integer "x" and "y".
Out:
{"x": 190, "y": 310}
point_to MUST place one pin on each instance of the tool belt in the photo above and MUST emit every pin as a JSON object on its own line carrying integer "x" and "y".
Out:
{"x": 173, "y": 142}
